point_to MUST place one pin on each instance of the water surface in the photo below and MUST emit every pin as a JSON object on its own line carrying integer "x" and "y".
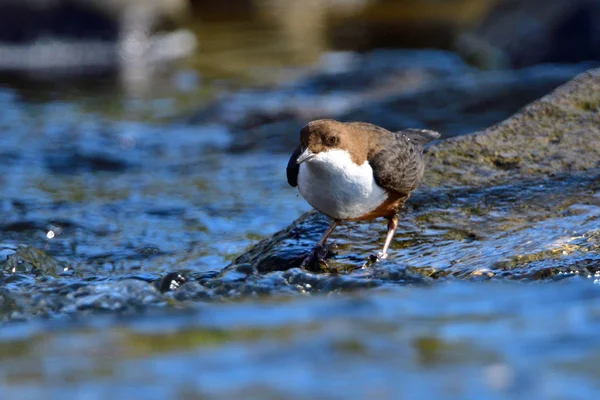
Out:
{"x": 107, "y": 190}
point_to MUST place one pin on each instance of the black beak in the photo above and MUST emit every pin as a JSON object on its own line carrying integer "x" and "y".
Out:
{"x": 305, "y": 156}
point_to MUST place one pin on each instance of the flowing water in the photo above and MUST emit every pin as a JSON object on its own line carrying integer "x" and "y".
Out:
{"x": 111, "y": 200}
{"x": 450, "y": 340}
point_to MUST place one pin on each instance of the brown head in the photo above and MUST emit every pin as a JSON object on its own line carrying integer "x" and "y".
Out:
{"x": 327, "y": 134}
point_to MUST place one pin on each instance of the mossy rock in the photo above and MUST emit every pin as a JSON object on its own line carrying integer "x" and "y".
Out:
{"x": 557, "y": 134}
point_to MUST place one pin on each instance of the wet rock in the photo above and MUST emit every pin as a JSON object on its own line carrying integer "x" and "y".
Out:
{"x": 517, "y": 200}
{"x": 206, "y": 276}
{"x": 520, "y": 33}
{"x": 36, "y": 285}
{"x": 264, "y": 255}
{"x": 236, "y": 273}
{"x": 128, "y": 295}
{"x": 192, "y": 291}
{"x": 27, "y": 260}
{"x": 171, "y": 281}
{"x": 8, "y": 305}
{"x": 310, "y": 282}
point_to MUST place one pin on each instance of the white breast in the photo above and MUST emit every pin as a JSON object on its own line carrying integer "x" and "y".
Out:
{"x": 334, "y": 185}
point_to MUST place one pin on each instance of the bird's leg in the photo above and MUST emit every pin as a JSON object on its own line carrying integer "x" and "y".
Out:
{"x": 319, "y": 252}
{"x": 328, "y": 232}
{"x": 382, "y": 255}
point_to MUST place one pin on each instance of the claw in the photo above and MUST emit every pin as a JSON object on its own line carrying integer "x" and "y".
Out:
{"x": 316, "y": 259}
{"x": 378, "y": 257}
{"x": 374, "y": 258}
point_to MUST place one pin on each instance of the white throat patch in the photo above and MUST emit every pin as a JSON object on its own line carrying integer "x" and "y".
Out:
{"x": 335, "y": 186}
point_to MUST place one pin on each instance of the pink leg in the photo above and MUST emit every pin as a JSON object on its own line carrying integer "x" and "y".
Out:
{"x": 392, "y": 226}
{"x": 382, "y": 255}
{"x": 328, "y": 232}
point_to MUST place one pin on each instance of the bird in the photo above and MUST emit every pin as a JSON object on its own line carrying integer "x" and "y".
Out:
{"x": 357, "y": 171}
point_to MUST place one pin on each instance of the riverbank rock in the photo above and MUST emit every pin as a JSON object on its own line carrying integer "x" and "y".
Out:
{"x": 557, "y": 134}
{"x": 520, "y": 199}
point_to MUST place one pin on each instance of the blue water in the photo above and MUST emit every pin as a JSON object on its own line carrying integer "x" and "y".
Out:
{"x": 451, "y": 340}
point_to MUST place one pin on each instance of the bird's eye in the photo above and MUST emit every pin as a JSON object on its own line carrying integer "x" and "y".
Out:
{"x": 331, "y": 140}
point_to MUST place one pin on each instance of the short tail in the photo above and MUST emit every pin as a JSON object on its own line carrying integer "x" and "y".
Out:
{"x": 420, "y": 137}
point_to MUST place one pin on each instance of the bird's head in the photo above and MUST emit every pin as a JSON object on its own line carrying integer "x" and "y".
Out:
{"x": 321, "y": 136}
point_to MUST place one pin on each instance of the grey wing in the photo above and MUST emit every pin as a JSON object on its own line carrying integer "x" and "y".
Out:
{"x": 293, "y": 167}
{"x": 398, "y": 165}
{"x": 420, "y": 137}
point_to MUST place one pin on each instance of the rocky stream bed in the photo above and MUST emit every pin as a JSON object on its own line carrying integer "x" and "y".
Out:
{"x": 168, "y": 255}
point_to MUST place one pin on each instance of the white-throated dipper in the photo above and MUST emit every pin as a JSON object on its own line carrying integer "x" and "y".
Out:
{"x": 357, "y": 171}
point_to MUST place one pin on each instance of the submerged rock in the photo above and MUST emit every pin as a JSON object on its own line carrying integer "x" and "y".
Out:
{"x": 520, "y": 199}
{"x": 35, "y": 283}
{"x": 27, "y": 260}
{"x": 125, "y": 296}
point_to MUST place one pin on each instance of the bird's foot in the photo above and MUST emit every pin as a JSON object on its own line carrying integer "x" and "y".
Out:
{"x": 374, "y": 258}
{"x": 380, "y": 255}
{"x": 317, "y": 258}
